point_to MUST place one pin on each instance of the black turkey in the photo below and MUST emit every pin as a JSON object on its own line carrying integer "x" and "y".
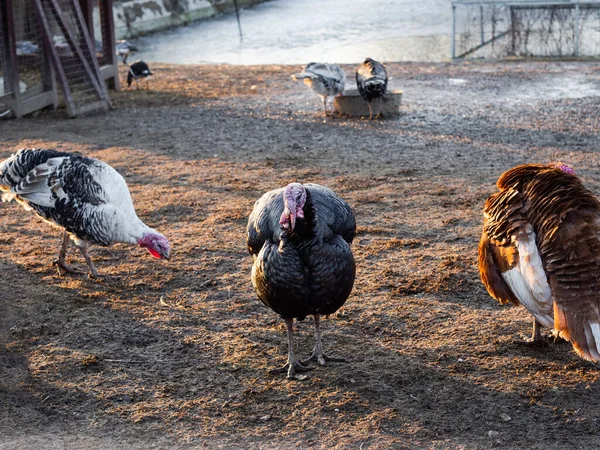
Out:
{"x": 85, "y": 197}
{"x": 540, "y": 248}
{"x": 371, "y": 81}
{"x": 300, "y": 239}
{"x": 136, "y": 71}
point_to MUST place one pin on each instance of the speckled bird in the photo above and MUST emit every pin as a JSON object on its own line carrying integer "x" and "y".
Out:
{"x": 326, "y": 80}
{"x": 85, "y": 197}
{"x": 123, "y": 48}
{"x": 540, "y": 248}
{"x": 371, "y": 81}
{"x": 300, "y": 239}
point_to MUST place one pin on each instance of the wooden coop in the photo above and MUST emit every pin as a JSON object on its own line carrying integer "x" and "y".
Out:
{"x": 47, "y": 46}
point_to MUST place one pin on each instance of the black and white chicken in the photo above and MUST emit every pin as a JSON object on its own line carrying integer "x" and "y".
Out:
{"x": 327, "y": 80}
{"x": 136, "y": 71}
{"x": 300, "y": 239}
{"x": 371, "y": 81}
{"x": 85, "y": 197}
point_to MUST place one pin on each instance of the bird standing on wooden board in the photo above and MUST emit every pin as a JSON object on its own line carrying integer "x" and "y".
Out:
{"x": 327, "y": 80}
{"x": 85, "y": 197}
{"x": 136, "y": 71}
{"x": 371, "y": 81}
{"x": 300, "y": 239}
{"x": 540, "y": 247}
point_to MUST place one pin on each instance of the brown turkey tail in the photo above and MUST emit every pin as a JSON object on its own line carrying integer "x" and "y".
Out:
{"x": 582, "y": 332}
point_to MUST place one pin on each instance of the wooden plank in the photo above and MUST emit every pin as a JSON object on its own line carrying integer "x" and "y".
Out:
{"x": 62, "y": 77}
{"x": 76, "y": 49}
{"x": 88, "y": 35}
{"x": 99, "y": 105}
{"x": 35, "y": 103}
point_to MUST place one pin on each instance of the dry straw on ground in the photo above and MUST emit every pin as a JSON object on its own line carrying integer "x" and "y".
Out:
{"x": 176, "y": 355}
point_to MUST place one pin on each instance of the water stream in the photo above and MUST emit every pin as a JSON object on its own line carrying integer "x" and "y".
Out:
{"x": 299, "y": 31}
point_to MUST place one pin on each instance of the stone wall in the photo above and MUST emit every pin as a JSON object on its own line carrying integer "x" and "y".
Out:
{"x": 138, "y": 17}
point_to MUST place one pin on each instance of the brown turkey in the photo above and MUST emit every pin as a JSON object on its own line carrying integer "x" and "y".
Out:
{"x": 300, "y": 239}
{"x": 540, "y": 247}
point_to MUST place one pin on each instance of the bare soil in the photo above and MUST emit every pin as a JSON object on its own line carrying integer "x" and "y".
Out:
{"x": 176, "y": 354}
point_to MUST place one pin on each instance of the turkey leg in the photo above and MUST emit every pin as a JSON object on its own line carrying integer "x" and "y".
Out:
{"x": 60, "y": 263}
{"x": 293, "y": 365}
{"x": 325, "y": 105}
{"x": 380, "y": 106}
{"x": 88, "y": 259}
{"x": 536, "y": 335}
{"x": 317, "y": 354}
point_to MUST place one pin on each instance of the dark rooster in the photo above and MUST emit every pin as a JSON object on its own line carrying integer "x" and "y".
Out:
{"x": 138, "y": 70}
{"x": 86, "y": 198}
{"x": 371, "y": 80}
{"x": 540, "y": 247}
{"x": 300, "y": 239}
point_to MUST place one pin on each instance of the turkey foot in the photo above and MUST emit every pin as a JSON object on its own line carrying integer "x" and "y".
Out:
{"x": 293, "y": 366}
{"x": 293, "y": 370}
{"x": 317, "y": 355}
{"x": 63, "y": 268}
{"x": 537, "y": 338}
{"x": 321, "y": 358}
{"x": 60, "y": 264}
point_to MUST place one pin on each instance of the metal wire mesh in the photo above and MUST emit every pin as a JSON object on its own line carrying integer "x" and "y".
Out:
{"x": 497, "y": 30}
{"x": 68, "y": 38}
{"x": 4, "y": 106}
{"x": 28, "y": 38}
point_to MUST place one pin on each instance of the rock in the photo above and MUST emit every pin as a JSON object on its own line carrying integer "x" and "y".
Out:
{"x": 505, "y": 417}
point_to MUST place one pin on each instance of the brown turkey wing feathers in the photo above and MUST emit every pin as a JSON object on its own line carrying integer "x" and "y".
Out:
{"x": 493, "y": 260}
{"x": 566, "y": 219}
{"x": 503, "y": 217}
{"x": 520, "y": 175}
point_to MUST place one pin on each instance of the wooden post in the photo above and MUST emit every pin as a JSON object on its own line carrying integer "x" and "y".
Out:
{"x": 513, "y": 30}
{"x": 453, "y": 31}
{"x": 577, "y": 20}
{"x": 108, "y": 39}
{"x": 481, "y": 23}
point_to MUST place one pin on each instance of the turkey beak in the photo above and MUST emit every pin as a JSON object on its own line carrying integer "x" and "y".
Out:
{"x": 292, "y": 220}
{"x": 164, "y": 254}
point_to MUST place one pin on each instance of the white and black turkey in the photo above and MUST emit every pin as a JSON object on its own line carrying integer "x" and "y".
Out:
{"x": 136, "y": 71}
{"x": 371, "y": 81}
{"x": 300, "y": 239}
{"x": 327, "y": 80}
{"x": 85, "y": 197}
{"x": 540, "y": 247}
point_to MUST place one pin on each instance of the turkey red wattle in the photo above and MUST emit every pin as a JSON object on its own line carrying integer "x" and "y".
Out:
{"x": 154, "y": 253}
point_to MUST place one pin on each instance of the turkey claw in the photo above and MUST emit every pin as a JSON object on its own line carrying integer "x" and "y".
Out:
{"x": 65, "y": 268}
{"x": 293, "y": 371}
{"x": 321, "y": 359}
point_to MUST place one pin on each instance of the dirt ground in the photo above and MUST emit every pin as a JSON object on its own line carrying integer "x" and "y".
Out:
{"x": 176, "y": 354}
